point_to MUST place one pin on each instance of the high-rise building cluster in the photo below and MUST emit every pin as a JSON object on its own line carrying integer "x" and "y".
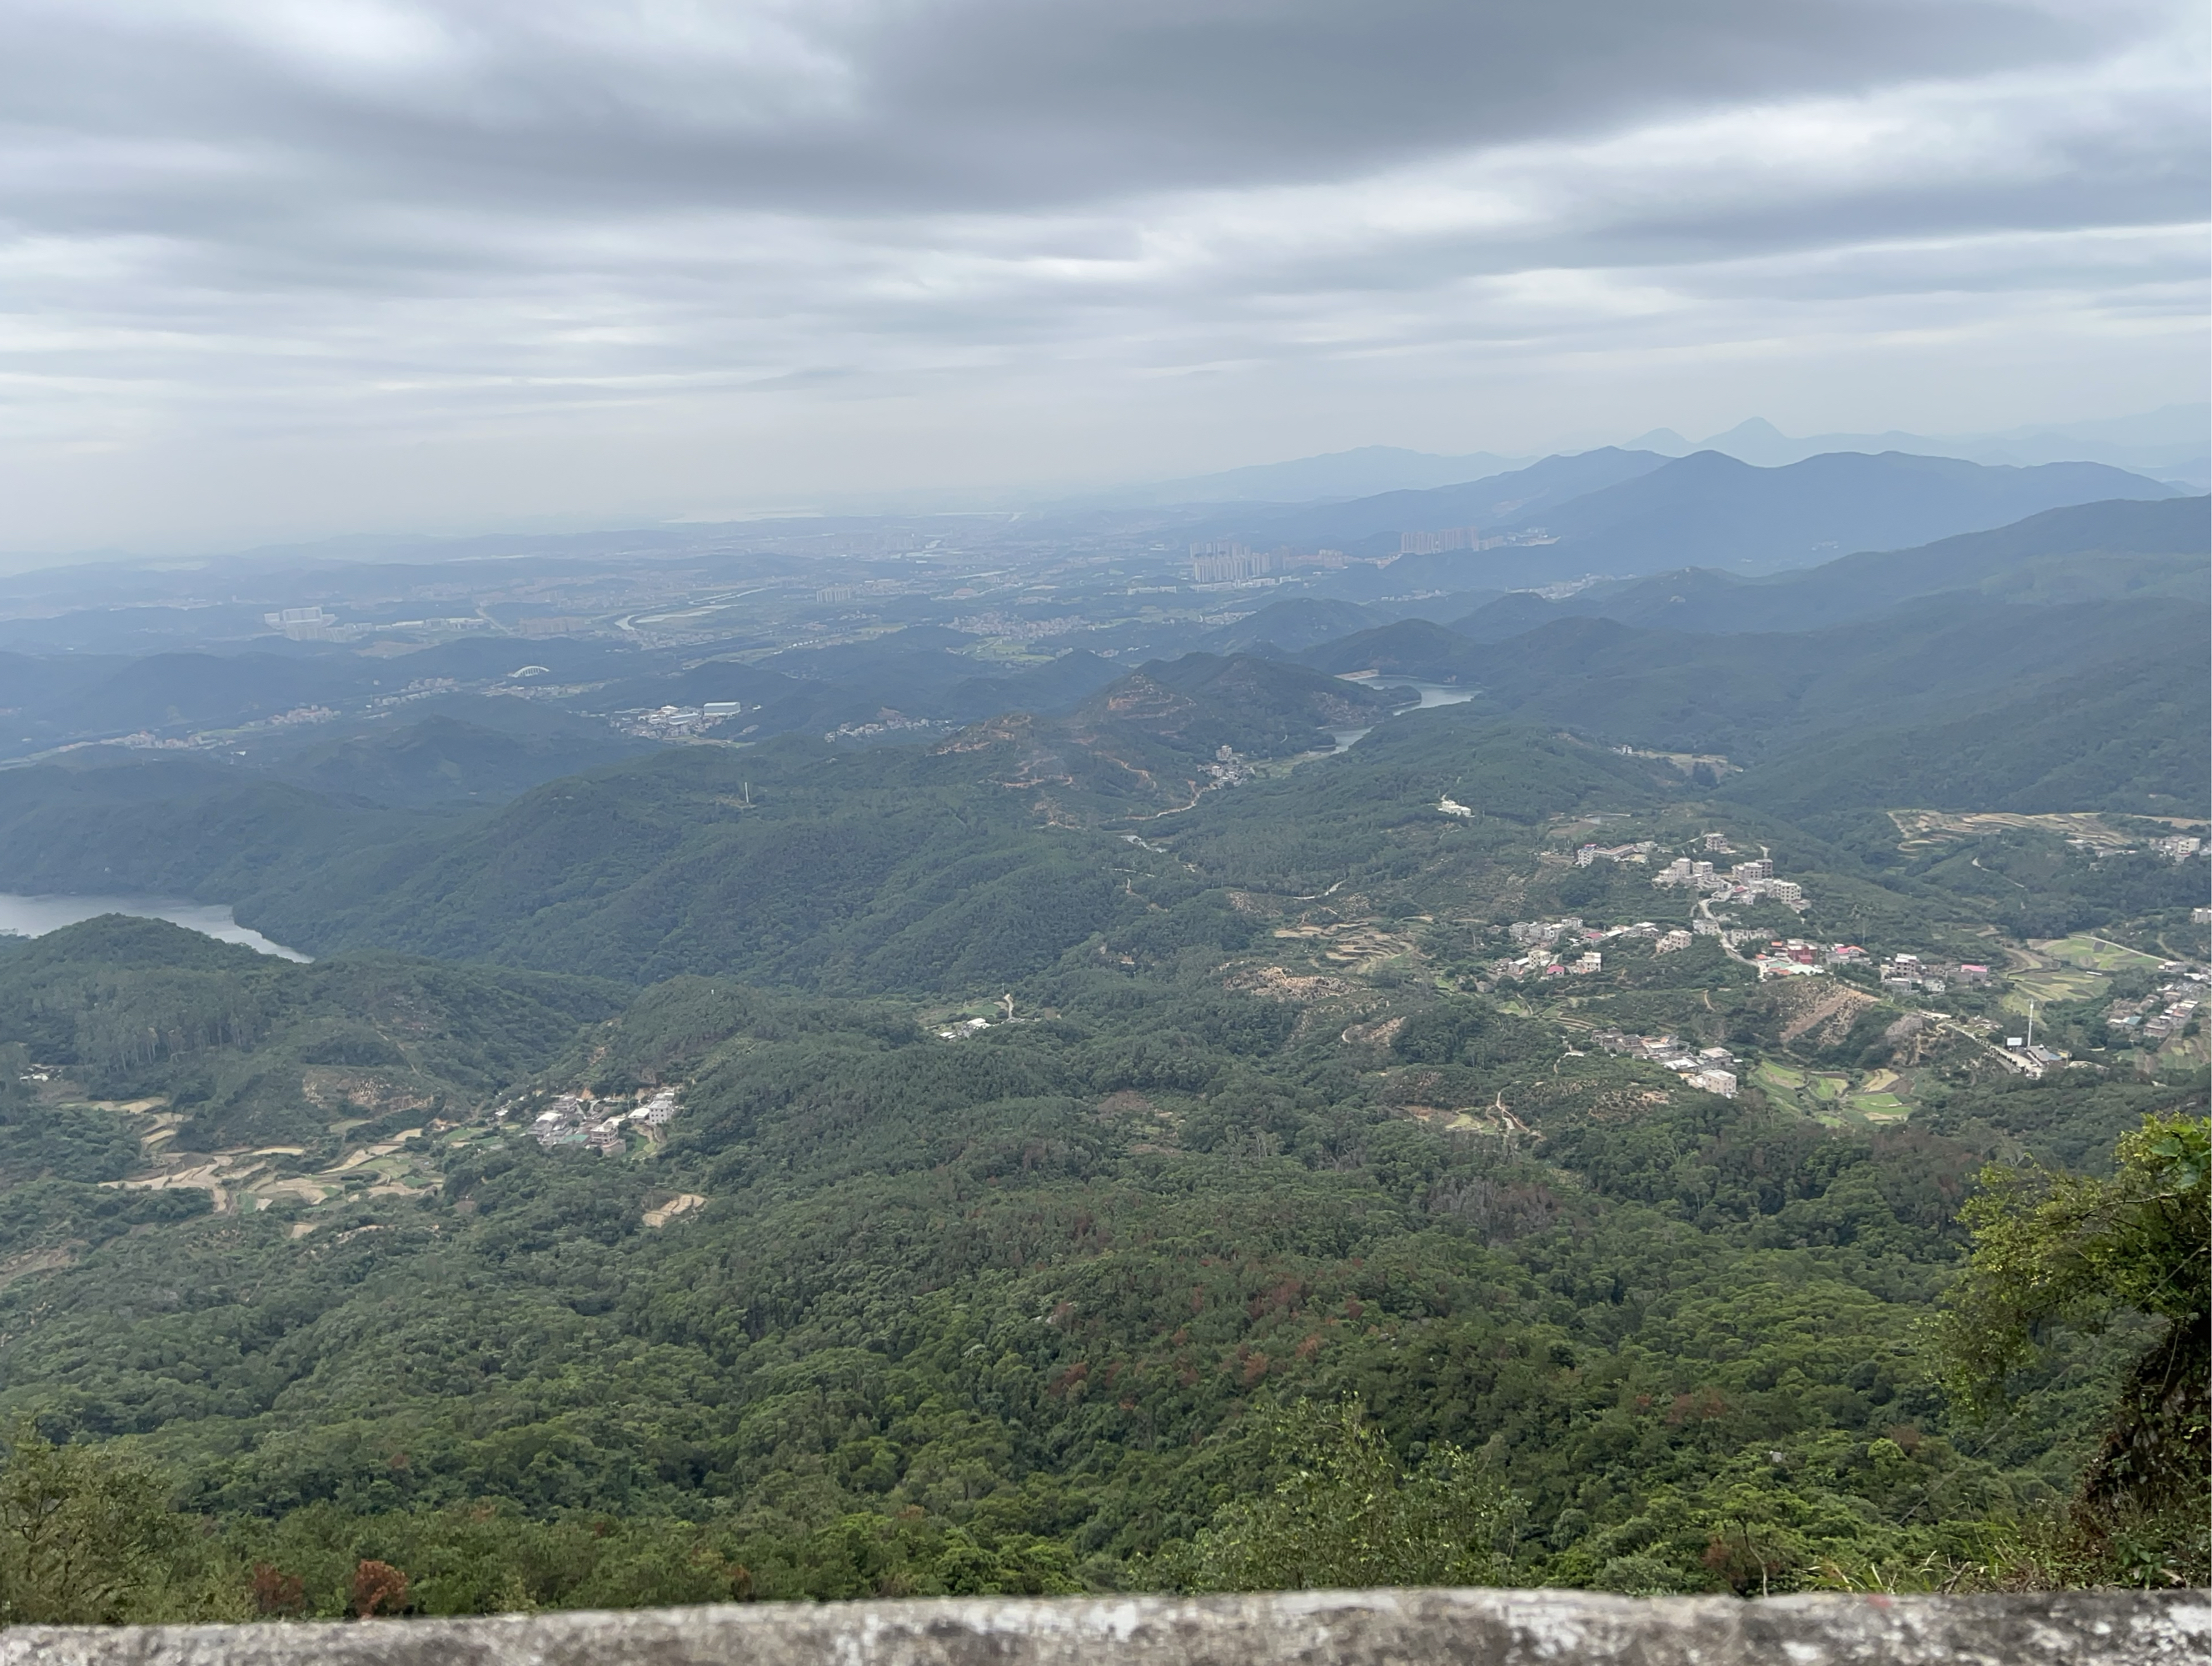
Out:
{"x": 1444, "y": 538}
{"x": 1225, "y": 562}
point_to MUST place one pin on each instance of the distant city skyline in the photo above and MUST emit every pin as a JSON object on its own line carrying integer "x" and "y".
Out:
{"x": 277, "y": 273}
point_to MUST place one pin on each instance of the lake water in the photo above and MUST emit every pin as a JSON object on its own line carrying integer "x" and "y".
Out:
{"x": 34, "y": 917}
{"x": 1432, "y": 694}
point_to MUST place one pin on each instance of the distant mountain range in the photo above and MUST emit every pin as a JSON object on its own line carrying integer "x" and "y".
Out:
{"x": 2169, "y": 443}
{"x": 1624, "y": 512}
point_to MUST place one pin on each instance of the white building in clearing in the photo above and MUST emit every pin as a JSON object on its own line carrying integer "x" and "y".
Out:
{"x": 657, "y": 1111}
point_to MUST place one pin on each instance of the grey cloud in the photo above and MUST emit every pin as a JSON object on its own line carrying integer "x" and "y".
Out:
{"x": 252, "y": 218}
{"x": 969, "y": 104}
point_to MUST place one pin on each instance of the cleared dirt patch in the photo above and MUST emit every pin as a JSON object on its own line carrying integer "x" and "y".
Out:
{"x": 379, "y": 1092}
{"x": 1355, "y": 945}
{"x": 38, "y": 1261}
{"x": 1280, "y": 985}
{"x": 682, "y": 1203}
{"x": 1919, "y": 829}
{"x": 1827, "y": 1012}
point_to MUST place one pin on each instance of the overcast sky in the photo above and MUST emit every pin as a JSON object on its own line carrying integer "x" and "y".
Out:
{"x": 292, "y": 268}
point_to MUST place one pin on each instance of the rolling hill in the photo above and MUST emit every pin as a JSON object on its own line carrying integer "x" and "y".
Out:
{"x": 440, "y": 759}
{"x": 2126, "y": 737}
{"x": 1756, "y": 695}
{"x": 2084, "y": 552}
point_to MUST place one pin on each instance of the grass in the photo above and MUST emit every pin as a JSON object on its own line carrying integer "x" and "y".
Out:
{"x": 1880, "y": 1104}
{"x": 2096, "y": 953}
{"x": 1769, "y": 1074}
{"x": 2054, "y": 984}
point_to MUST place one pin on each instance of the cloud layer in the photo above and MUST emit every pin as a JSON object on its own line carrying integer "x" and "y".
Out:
{"x": 274, "y": 269}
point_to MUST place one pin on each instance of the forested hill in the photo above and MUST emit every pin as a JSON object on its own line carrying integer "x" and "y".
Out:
{"x": 2034, "y": 676}
{"x": 1588, "y": 1125}
{"x": 2085, "y": 552}
{"x": 881, "y": 1310}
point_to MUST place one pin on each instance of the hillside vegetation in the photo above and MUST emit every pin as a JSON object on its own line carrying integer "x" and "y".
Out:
{"x": 1133, "y": 1143}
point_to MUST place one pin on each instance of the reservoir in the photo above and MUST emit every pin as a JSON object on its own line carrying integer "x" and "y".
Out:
{"x": 34, "y": 917}
{"x": 1432, "y": 694}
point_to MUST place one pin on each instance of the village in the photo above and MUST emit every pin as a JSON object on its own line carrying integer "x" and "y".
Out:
{"x": 1562, "y": 948}
{"x": 2165, "y": 1012}
{"x": 577, "y": 1119}
{"x": 1745, "y": 882}
{"x": 2000, "y": 989}
{"x": 671, "y": 723}
{"x": 1713, "y": 1069}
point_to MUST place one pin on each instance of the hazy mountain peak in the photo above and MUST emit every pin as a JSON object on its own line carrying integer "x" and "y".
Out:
{"x": 2169, "y": 443}
{"x": 1751, "y": 430}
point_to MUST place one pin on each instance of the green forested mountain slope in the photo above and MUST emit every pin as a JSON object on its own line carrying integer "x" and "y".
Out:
{"x": 1021, "y": 1296}
{"x": 177, "y": 827}
{"x": 818, "y": 1169}
{"x": 1753, "y": 694}
{"x": 233, "y": 1041}
{"x": 2126, "y": 739}
{"x": 440, "y": 759}
{"x": 1286, "y": 627}
{"x": 886, "y": 869}
{"x": 871, "y": 868}
{"x": 1050, "y": 690}
{"x": 2082, "y": 553}
{"x": 1203, "y": 702}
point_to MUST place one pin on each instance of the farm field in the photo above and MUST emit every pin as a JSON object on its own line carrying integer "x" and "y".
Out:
{"x": 1832, "y": 1096}
{"x": 1879, "y": 1107}
{"x": 2052, "y": 983}
{"x": 2094, "y": 953}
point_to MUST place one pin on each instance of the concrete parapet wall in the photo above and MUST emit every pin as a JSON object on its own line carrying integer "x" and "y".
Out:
{"x": 1307, "y": 1628}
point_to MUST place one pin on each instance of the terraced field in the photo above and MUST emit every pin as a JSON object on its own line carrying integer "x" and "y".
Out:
{"x": 2055, "y": 983}
{"x": 1835, "y": 1098}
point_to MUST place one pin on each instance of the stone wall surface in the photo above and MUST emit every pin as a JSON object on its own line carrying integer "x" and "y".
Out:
{"x": 1296, "y": 1628}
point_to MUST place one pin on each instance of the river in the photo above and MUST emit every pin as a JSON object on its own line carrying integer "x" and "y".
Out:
{"x": 34, "y": 917}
